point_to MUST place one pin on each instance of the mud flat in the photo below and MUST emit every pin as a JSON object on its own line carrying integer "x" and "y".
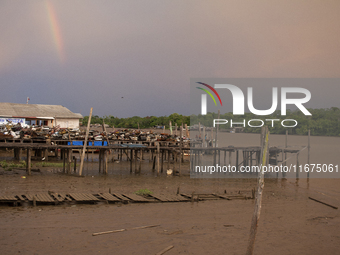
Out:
{"x": 290, "y": 222}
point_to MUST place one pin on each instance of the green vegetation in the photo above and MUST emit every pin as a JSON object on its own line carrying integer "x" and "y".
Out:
{"x": 143, "y": 192}
{"x": 146, "y": 122}
{"x": 9, "y": 166}
{"x": 322, "y": 122}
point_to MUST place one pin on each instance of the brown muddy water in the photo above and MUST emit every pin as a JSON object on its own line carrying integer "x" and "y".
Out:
{"x": 290, "y": 223}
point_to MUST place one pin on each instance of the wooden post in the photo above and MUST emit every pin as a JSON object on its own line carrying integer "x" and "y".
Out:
{"x": 158, "y": 150}
{"x": 175, "y": 160}
{"x": 237, "y": 167}
{"x": 175, "y": 129}
{"x": 170, "y": 127}
{"x": 100, "y": 160}
{"x": 69, "y": 160}
{"x": 203, "y": 139}
{"x": 131, "y": 158}
{"x": 136, "y": 154}
{"x": 46, "y": 154}
{"x": 186, "y": 131}
{"x": 106, "y": 162}
{"x": 20, "y": 154}
{"x": 168, "y": 164}
{"x": 258, "y": 199}
{"x": 297, "y": 167}
{"x": 180, "y": 151}
{"x": 199, "y": 130}
{"x": 63, "y": 153}
{"x": 153, "y": 163}
{"x": 162, "y": 161}
{"x": 28, "y": 161}
{"x": 85, "y": 144}
{"x": 308, "y": 153}
{"x": 216, "y": 129}
{"x": 75, "y": 165}
{"x": 140, "y": 163}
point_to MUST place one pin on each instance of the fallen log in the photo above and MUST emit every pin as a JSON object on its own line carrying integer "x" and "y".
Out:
{"x": 334, "y": 207}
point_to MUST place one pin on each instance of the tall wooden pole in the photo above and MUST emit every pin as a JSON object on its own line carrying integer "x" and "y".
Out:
{"x": 85, "y": 144}
{"x": 158, "y": 150}
{"x": 180, "y": 150}
{"x": 308, "y": 153}
{"x": 216, "y": 134}
{"x": 258, "y": 199}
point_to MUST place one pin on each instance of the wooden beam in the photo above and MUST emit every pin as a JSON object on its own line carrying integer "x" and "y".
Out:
{"x": 85, "y": 144}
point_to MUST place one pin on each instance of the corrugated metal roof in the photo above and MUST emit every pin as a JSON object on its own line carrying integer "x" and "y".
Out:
{"x": 36, "y": 110}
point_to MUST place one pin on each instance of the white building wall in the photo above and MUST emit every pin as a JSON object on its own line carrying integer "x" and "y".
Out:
{"x": 67, "y": 123}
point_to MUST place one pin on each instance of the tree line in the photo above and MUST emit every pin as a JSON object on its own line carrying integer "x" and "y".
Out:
{"x": 322, "y": 122}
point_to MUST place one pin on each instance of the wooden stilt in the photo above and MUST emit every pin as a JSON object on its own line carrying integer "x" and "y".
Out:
{"x": 136, "y": 155}
{"x": 46, "y": 155}
{"x": 28, "y": 161}
{"x": 69, "y": 160}
{"x": 131, "y": 158}
{"x": 158, "y": 150}
{"x": 162, "y": 161}
{"x": 75, "y": 165}
{"x": 63, "y": 153}
{"x": 100, "y": 160}
{"x": 308, "y": 157}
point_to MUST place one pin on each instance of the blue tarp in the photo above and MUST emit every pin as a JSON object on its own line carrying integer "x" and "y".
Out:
{"x": 78, "y": 143}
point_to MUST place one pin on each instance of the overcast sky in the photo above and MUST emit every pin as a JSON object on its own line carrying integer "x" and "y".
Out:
{"x": 126, "y": 58}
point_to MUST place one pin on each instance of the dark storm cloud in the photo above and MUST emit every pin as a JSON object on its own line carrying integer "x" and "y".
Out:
{"x": 147, "y": 51}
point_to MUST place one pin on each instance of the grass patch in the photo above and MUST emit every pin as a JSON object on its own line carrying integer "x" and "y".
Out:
{"x": 9, "y": 166}
{"x": 143, "y": 192}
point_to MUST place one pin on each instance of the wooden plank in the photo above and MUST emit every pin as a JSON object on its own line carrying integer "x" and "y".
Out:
{"x": 159, "y": 197}
{"x": 222, "y": 196}
{"x": 109, "y": 197}
{"x": 121, "y": 197}
{"x": 166, "y": 198}
{"x": 20, "y": 197}
{"x": 136, "y": 198}
{"x": 29, "y": 197}
{"x": 189, "y": 196}
{"x": 57, "y": 197}
{"x": 8, "y": 198}
{"x": 83, "y": 197}
{"x": 65, "y": 197}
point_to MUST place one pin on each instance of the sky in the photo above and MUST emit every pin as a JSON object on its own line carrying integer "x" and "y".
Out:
{"x": 136, "y": 58}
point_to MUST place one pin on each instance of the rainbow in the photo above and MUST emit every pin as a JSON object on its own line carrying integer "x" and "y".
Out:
{"x": 208, "y": 92}
{"x": 55, "y": 29}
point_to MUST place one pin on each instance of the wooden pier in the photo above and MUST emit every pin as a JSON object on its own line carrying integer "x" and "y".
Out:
{"x": 160, "y": 153}
{"x": 52, "y": 198}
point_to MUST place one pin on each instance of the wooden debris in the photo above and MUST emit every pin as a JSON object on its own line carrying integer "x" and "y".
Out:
{"x": 109, "y": 197}
{"x": 136, "y": 198}
{"x": 124, "y": 229}
{"x": 83, "y": 197}
{"x": 334, "y": 207}
{"x": 109, "y": 232}
{"x": 149, "y": 226}
{"x": 165, "y": 250}
{"x": 8, "y": 198}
